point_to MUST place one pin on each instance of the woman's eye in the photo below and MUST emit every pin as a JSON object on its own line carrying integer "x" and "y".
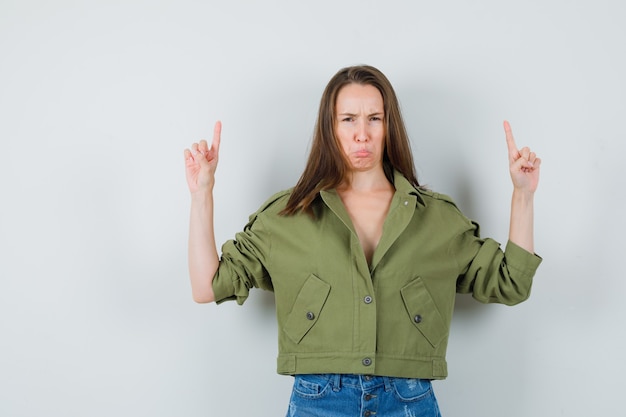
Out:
{"x": 347, "y": 119}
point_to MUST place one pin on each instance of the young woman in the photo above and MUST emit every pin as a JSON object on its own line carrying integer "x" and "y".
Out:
{"x": 363, "y": 261}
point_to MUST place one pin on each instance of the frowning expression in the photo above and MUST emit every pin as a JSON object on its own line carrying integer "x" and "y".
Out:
{"x": 360, "y": 126}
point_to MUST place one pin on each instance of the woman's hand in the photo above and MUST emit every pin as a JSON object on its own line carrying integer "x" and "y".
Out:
{"x": 524, "y": 168}
{"x": 523, "y": 164}
{"x": 201, "y": 162}
{"x": 200, "y": 166}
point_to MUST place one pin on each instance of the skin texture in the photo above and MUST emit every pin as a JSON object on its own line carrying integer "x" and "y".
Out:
{"x": 524, "y": 167}
{"x": 367, "y": 193}
{"x": 200, "y": 166}
{"x": 360, "y": 126}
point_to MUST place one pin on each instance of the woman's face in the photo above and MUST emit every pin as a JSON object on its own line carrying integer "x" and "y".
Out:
{"x": 360, "y": 126}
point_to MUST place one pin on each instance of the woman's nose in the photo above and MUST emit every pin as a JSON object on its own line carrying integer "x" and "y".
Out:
{"x": 361, "y": 132}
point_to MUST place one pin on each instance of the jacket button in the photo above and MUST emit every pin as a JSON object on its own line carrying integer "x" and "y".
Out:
{"x": 367, "y": 361}
{"x": 417, "y": 319}
{"x": 310, "y": 315}
{"x": 367, "y": 299}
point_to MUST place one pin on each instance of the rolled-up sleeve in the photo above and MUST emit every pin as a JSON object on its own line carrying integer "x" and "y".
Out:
{"x": 242, "y": 264}
{"x": 492, "y": 275}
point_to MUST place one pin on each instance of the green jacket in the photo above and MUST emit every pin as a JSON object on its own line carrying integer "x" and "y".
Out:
{"x": 337, "y": 314}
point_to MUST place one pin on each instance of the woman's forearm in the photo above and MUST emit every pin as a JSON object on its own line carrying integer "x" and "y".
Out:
{"x": 521, "y": 226}
{"x": 203, "y": 258}
{"x": 200, "y": 166}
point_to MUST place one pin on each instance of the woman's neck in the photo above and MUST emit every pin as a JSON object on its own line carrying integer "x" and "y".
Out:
{"x": 364, "y": 181}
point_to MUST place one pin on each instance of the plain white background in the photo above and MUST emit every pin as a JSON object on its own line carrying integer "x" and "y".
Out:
{"x": 99, "y": 98}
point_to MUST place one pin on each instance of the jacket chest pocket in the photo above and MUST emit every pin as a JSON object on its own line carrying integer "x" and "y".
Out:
{"x": 423, "y": 312}
{"x": 307, "y": 308}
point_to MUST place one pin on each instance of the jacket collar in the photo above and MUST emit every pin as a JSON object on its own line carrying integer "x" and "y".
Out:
{"x": 403, "y": 186}
{"x": 400, "y": 183}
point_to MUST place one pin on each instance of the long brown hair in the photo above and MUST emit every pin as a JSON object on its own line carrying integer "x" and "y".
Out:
{"x": 327, "y": 165}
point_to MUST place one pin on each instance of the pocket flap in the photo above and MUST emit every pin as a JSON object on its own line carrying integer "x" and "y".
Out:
{"x": 423, "y": 312}
{"x": 307, "y": 308}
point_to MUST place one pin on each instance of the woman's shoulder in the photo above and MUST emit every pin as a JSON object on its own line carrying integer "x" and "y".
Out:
{"x": 444, "y": 205}
{"x": 274, "y": 204}
{"x": 424, "y": 194}
{"x": 434, "y": 197}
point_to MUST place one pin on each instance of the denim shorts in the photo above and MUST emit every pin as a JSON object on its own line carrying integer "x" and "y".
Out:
{"x": 333, "y": 395}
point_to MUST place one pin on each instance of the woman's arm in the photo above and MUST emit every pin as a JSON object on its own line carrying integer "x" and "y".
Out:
{"x": 524, "y": 167}
{"x": 200, "y": 166}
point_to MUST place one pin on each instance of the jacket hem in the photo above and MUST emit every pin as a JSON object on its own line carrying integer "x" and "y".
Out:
{"x": 364, "y": 364}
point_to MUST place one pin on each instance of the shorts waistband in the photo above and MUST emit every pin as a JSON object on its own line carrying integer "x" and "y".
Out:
{"x": 364, "y": 382}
